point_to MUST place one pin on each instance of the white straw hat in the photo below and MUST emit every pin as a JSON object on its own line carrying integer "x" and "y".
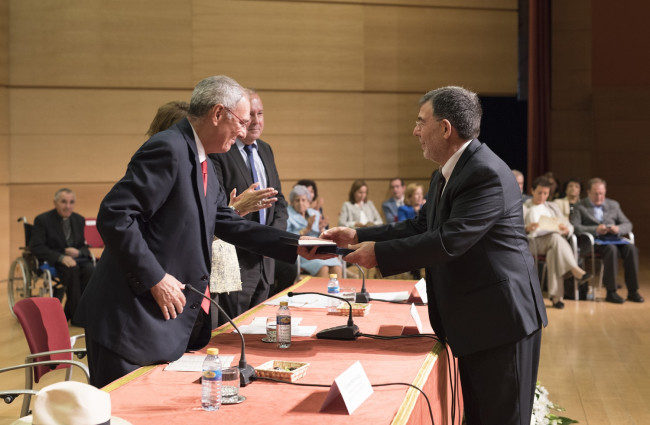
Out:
{"x": 71, "y": 403}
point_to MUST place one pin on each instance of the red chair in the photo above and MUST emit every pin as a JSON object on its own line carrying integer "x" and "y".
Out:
{"x": 50, "y": 344}
{"x": 92, "y": 236}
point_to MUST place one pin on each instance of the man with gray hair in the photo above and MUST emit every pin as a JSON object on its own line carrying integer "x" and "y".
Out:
{"x": 58, "y": 239}
{"x": 484, "y": 295}
{"x": 158, "y": 223}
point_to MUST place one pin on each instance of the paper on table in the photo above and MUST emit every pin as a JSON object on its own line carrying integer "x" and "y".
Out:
{"x": 194, "y": 363}
{"x": 258, "y": 326}
{"x": 305, "y": 301}
{"x": 390, "y": 296}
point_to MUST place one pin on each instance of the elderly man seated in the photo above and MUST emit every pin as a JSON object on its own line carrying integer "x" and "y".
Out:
{"x": 548, "y": 229}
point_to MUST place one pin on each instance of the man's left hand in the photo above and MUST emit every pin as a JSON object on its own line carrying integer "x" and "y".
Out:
{"x": 364, "y": 255}
{"x": 72, "y": 252}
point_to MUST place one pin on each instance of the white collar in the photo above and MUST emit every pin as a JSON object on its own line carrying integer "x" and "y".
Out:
{"x": 449, "y": 166}
{"x": 199, "y": 146}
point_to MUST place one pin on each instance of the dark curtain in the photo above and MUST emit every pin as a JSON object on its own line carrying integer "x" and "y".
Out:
{"x": 539, "y": 87}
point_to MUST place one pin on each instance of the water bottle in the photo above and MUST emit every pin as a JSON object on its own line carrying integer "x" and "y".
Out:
{"x": 211, "y": 381}
{"x": 333, "y": 288}
{"x": 590, "y": 293}
{"x": 283, "y": 329}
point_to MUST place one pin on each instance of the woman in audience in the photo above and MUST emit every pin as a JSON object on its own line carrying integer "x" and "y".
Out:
{"x": 316, "y": 202}
{"x": 358, "y": 211}
{"x": 555, "y": 185}
{"x": 572, "y": 189}
{"x": 413, "y": 200}
{"x": 303, "y": 221}
{"x": 549, "y": 238}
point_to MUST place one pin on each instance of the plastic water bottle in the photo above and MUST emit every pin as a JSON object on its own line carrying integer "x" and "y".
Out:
{"x": 283, "y": 329}
{"x": 333, "y": 288}
{"x": 211, "y": 381}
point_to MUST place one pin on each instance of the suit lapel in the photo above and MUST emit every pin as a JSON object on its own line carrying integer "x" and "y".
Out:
{"x": 236, "y": 158}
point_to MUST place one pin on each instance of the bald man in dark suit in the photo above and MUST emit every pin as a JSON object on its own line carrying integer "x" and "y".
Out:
{"x": 484, "y": 295}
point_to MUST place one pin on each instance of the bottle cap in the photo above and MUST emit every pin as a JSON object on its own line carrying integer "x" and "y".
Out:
{"x": 213, "y": 351}
{"x": 284, "y": 303}
{"x": 333, "y": 276}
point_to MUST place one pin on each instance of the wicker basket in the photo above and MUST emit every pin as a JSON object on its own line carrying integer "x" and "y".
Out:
{"x": 279, "y": 369}
{"x": 358, "y": 309}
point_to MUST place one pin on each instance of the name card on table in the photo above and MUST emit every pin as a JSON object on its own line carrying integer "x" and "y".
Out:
{"x": 349, "y": 390}
{"x": 421, "y": 286}
{"x": 416, "y": 318}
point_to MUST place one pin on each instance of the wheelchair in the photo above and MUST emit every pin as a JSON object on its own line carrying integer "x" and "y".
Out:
{"x": 27, "y": 277}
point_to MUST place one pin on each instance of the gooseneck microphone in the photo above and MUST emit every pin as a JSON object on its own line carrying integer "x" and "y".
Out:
{"x": 363, "y": 296}
{"x": 347, "y": 332}
{"x": 246, "y": 371}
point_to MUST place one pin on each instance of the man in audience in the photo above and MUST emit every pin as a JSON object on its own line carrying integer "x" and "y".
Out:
{"x": 158, "y": 223}
{"x": 519, "y": 176}
{"x": 251, "y": 161}
{"x": 484, "y": 295}
{"x": 58, "y": 238}
{"x": 604, "y": 219}
{"x": 391, "y": 205}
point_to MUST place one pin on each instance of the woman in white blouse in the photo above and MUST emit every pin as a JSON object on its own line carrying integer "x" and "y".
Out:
{"x": 358, "y": 211}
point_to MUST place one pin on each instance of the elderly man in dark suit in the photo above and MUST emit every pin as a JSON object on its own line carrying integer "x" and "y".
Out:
{"x": 604, "y": 219}
{"x": 158, "y": 223}
{"x": 484, "y": 294}
{"x": 58, "y": 238}
{"x": 251, "y": 161}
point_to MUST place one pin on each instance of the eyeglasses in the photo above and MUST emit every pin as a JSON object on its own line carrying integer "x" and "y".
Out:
{"x": 419, "y": 123}
{"x": 242, "y": 123}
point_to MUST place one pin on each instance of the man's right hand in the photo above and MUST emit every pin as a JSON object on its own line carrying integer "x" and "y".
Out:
{"x": 343, "y": 236}
{"x": 168, "y": 293}
{"x": 68, "y": 261}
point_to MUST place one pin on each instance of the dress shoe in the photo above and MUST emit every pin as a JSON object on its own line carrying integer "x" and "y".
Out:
{"x": 585, "y": 278}
{"x": 558, "y": 304}
{"x": 613, "y": 297}
{"x": 635, "y": 297}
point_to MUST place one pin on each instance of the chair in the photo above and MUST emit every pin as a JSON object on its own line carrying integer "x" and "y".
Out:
{"x": 27, "y": 277}
{"x": 92, "y": 236}
{"x": 50, "y": 344}
{"x": 592, "y": 256}
{"x": 541, "y": 258}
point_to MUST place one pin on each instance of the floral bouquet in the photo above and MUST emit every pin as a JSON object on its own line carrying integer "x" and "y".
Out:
{"x": 542, "y": 410}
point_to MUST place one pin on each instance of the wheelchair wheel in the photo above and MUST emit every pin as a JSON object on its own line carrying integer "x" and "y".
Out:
{"x": 19, "y": 283}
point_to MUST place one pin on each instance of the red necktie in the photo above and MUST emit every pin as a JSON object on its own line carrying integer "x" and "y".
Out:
{"x": 205, "y": 304}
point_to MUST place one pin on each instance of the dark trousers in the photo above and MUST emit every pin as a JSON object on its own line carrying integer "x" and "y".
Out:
{"x": 252, "y": 294}
{"x": 74, "y": 280}
{"x": 630, "y": 256}
{"x": 499, "y": 383}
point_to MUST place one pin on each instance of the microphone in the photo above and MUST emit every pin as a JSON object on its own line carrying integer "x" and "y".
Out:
{"x": 363, "y": 296}
{"x": 347, "y": 332}
{"x": 246, "y": 371}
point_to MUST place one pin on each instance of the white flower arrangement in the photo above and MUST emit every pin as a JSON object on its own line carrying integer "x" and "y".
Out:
{"x": 542, "y": 410}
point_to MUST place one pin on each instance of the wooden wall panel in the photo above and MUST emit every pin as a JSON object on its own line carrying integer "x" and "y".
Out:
{"x": 97, "y": 43}
{"x": 480, "y": 4}
{"x": 283, "y": 45}
{"x": 4, "y": 42}
{"x": 417, "y": 49}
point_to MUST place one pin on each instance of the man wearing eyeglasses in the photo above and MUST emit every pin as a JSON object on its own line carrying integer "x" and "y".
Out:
{"x": 251, "y": 161}
{"x": 158, "y": 223}
{"x": 484, "y": 295}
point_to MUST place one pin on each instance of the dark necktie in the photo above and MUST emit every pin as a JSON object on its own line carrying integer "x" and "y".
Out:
{"x": 67, "y": 232}
{"x": 251, "y": 161}
{"x": 441, "y": 185}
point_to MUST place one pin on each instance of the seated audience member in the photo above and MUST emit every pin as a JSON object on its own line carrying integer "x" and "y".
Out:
{"x": 555, "y": 185}
{"x": 604, "y": 220}
{"x": 550, "y": 240}
{"x": 58, "y": 238}
{"x": 167, "y": 115}
{"x": 303, "y": 221}
{"x": 520, "y": 181}
{"x": 358, "y": 211}
{"x": 316, "y": 202}
{"x": 391, "y": 205}
{"x": 413, "y": 200}
{"x": 572, "y": 189}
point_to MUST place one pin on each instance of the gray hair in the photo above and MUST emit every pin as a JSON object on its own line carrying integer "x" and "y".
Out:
{"x": 299, "y": 190}
{"x": 58, "y": 193}
{"x": 212, "y": 91}
{"x": 459, "y": 106}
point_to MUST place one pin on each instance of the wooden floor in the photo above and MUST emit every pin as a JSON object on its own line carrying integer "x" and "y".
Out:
{"x": 595, "y": 359}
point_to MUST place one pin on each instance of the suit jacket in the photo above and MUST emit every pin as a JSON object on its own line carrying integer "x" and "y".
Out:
{"x": 47, "y": 241}
{"x": 233, "y": 172}
{"x": 584, "y": 220}
{"x": 390, "y": 210}
{"x": 554, "y": 209}
{"x": 157, "y": 220}
{"x": 481, "y": 280}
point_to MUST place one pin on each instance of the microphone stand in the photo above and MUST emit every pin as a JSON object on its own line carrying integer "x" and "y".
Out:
{"x": 347, "y": 332}
{"x": 246, "y": 371}
{"x": 363, "y": 296}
